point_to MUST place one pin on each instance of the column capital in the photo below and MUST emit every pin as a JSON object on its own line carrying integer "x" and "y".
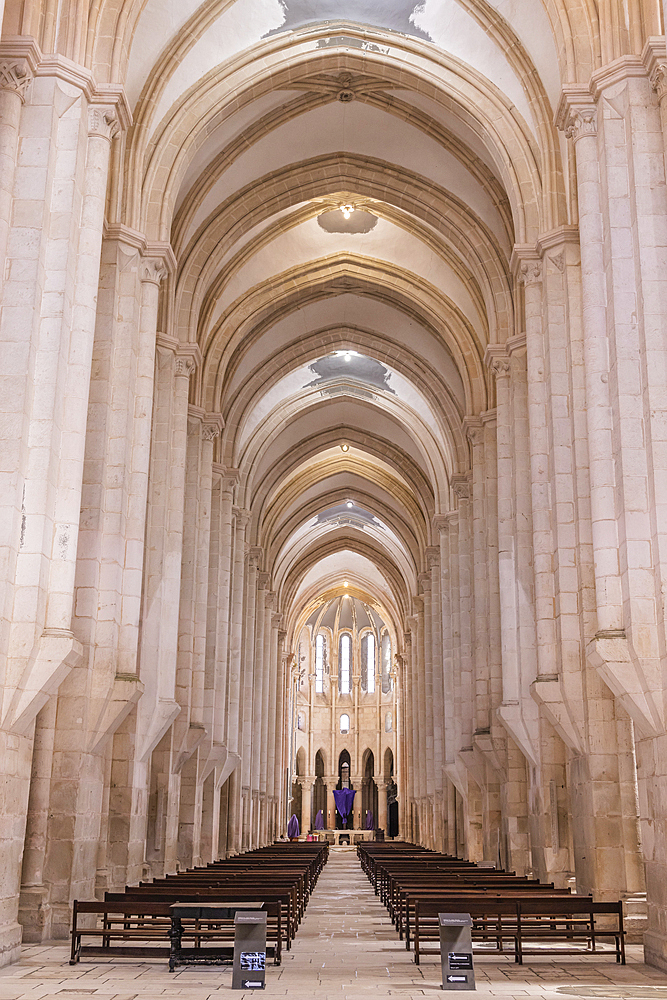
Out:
{"x": 153, "y": 270}
{"x": 582, "y": 122}
{"x": 20, "y": 56}
{"x": 276, "y": 622}
{"x": 432, "y": 554}
{"x": 184, "y": 367}
{"x": 188, "y": 359}
{"x": 654, "y": 59}
{"x": 242, "y": 516}
{"x": 263, "y": 580}
{"x": 473, "y": 428}
{"x": 576, "y": 114}
{"x": 15, "y": 76}
{"x": 526, "y": 264}
{"x": 496, "y": 359}
{"x": 255, "y": 553}
{"x": 103, "y": 122}
{"x": 440, "y": 523}
{"x": 228, "y": 477}
{"x": 424, "y": 581}
{"x": 212, "y": 426}
{"x": 461, "y": 486}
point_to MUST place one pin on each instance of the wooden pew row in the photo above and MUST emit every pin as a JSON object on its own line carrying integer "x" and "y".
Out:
{"x": 136, "y": 923}
{"x": 531, "y": 917}
{"x": 557, "y": 923}
{"x": 140, "y": 929}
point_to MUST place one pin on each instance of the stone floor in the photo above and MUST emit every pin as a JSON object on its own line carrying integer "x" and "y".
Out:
{"x": 346, "y": 949}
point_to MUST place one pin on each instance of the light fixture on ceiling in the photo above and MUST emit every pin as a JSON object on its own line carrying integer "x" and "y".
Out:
{"x": 349, "y": 503}
{"x": 346, "y": 584}
{"x": 347, "y": 210}
{"x": 345, "y": 447}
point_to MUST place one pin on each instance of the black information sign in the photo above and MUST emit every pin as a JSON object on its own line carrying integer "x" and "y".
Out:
{"x": 460, "y": 960}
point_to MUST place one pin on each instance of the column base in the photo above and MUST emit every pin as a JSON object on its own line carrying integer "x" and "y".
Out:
{"x": 10, "y": 943}
{"x": 35, "y": 913}
{"x": 655, "y": 950}
{"x": 636, "y": 917}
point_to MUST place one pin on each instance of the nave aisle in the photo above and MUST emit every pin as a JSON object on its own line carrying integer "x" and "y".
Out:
{"x": 346, "y": 949}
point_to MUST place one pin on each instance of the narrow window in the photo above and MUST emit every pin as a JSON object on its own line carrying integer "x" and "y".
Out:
{"x": 344, "y": 723}
{"x": 344, "y": 664}
{"x": 370, "y": 663}
{"x": 386, "y": 663}
{"x": 319, "y": 664}
{"x": 387, "y": 723}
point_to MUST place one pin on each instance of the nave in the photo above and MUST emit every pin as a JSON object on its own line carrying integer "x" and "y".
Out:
{"x": 333, "y": 440}
{"x": 346, "y": 949}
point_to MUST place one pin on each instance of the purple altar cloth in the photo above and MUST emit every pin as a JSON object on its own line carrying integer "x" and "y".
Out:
{"x": 369, "y": 820}
{"x": 293, "y": 827}
{"x": 344, "y": 797}
{"x": 319, "y": 820}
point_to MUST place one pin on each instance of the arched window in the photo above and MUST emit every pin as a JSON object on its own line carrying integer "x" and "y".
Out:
{"x": 386, "y": 663}
{"x": 301, "y": 721}
{"x": 344, "y": 663}
{"x": 368, "y": 663}
{"x": 344, "y": 723}
{"x": 387, "y": 723}
{"x": 320, "y": 653}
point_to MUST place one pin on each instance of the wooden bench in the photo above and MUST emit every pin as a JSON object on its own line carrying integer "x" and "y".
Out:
{"x": 141, "y": 929}
{"x": 561, "y": 924}
{"x": 495, "y": 920}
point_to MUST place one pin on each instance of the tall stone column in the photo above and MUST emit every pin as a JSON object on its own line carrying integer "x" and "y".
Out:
{"x": 77, "y": 774}
{"x": 306, "y": 803}
{"x": 18, "y": 60}
{"x": 234, "y": 713}
{"x": 579, "y": 118}
{"x": 267, "y": 704}
{"x": 194, "y": 743}
{"x": 418, "y": 712}
{"x": 258, "y": 704}
{"x": 427, "y": 654}
{"x": 34, "y": 904}
{"x": 540, "y": 463}
{"x": 17, "y": 66}
{"x": 219, "y": 603}
{"x": 161, "y": 597}
{"x": 280, "y": 744}
{"x": 620, "y": 391}
{"x": 465, "y": 686}
{"x": 247, "y": 706}
{"x": 274, "y": 725}
{"x": 475, "y": 433}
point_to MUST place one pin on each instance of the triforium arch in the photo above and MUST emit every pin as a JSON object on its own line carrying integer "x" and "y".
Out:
{"x": 331, "y": 425}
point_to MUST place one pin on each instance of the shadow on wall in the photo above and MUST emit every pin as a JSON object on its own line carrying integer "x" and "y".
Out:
{"x": 395, "y": 15}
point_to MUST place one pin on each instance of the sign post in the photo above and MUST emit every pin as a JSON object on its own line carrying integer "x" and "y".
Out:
{"x": 249, "y": 951}
{"x": 456, "y": 951}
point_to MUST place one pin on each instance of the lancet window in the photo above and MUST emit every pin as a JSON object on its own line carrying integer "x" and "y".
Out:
{"x": 344, "y": 663}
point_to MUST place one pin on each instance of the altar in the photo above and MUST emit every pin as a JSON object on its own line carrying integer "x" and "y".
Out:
{"x": 351, "y": 837}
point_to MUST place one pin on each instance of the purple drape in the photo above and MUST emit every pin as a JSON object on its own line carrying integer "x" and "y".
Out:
{"x": 293, "y": 827}
{"x": 319, "y": 820}
{"x": 344, "y": 797}
{"x": 369, "y": 820}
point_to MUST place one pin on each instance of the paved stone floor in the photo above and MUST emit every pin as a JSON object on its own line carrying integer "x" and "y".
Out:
{"x": 346, "y": 949}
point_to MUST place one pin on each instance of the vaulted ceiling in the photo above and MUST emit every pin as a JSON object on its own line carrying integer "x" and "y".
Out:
{"x": 432, "y": 123}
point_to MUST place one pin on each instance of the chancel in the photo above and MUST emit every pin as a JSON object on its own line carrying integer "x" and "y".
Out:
{"x": 333, "y": 464}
